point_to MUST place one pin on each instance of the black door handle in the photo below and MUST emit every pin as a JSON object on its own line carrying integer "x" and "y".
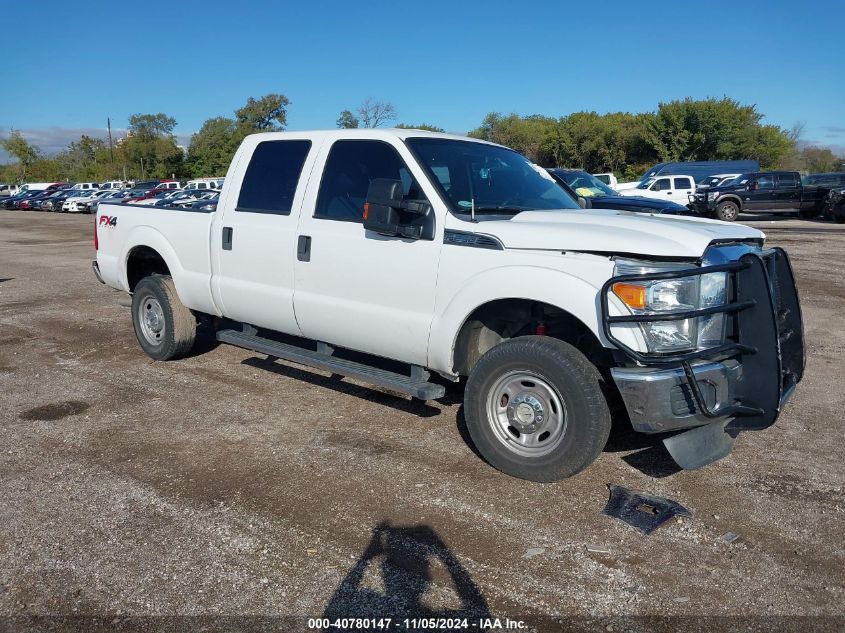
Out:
{"x": 303, "y": 248}
{"x": 227, "y": 238}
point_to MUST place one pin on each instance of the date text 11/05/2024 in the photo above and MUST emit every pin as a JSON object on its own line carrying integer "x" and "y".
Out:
{"x": 418, "y": 624}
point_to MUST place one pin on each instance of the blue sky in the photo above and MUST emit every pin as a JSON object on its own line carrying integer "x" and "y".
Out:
{"x": 444, "y": 63}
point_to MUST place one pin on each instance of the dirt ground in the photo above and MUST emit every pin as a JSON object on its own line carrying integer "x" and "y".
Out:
{"x": 224, "y": 485}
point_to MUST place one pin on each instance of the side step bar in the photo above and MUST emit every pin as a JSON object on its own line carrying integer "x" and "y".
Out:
{"x": 415, "y": 385}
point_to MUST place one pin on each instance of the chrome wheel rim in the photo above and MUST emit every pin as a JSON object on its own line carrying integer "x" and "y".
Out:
{"x": 730, "y": 211}
{"x": 151, "y": 318}
{"x": 526, "y": 414}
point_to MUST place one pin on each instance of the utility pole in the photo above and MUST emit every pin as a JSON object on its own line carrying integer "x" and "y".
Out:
{"x": 111, "y": 150}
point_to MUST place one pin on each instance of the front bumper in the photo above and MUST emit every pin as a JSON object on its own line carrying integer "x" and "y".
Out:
{"x": 660, "y": 400}
{"x": 740, "y": 385}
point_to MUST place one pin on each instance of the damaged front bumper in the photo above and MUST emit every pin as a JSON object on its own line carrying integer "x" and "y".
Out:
{"x": 706, "y": 397}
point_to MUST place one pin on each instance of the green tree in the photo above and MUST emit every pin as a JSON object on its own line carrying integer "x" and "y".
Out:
{"x": 266, "y": 114}
{"x": 347, "y": 120}
{"x": 421, "y": 126}
{"x": 532, "y": 136}
{"x": 22, "y": 150}
{"x": 212, "y": 147}
{"x": 151, "y": 126}
{"x": 149, "y": 149}
{"x": 715, "y": 129}
{"x": 820, "y": 159}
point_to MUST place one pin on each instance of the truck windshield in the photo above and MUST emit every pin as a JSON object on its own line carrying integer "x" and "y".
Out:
{"x": 491, "y": 180}
{"x": 645, "y": 184}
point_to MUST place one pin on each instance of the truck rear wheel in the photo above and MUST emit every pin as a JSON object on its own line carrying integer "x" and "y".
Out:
{"x": 727, "y": 211}
{"x": 534, "y": 409}
{"x": 165, "y": 328}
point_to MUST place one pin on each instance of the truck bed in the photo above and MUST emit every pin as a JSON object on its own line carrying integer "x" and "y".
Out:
{"x": 122, "y": 228}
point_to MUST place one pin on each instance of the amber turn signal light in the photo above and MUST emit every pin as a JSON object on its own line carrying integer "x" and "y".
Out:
{"x": 632, "y": 295}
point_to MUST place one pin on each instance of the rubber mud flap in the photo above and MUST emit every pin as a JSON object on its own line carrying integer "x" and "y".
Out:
{"x": 700, "y": 446}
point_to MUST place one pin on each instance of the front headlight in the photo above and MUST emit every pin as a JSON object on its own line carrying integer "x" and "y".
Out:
{"x": 713, "y": 195}
{"x": 682, "y": 294}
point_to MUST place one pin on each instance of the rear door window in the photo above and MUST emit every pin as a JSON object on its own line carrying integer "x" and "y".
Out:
{"x": 787, "y": 181}
{"x": 683, "y": 183}
{"x": 272, "y": 176}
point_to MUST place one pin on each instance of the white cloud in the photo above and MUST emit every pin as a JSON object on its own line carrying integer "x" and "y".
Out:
{"x": 52, "y": 140}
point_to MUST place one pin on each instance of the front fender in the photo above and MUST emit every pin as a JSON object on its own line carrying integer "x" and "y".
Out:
{"x": 576, "y": 296}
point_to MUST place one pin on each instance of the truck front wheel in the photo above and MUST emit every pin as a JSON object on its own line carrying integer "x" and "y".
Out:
{"x": 535, "y": 410}
{"x": 727, "y": 211}
{"x": 165, "y": 328}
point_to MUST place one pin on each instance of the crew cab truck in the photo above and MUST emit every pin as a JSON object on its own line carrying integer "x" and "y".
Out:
{"x": 760, "y": 192}
{"x": 406, "y": 259}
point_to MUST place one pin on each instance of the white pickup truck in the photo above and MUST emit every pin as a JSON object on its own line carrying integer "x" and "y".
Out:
{"x": 392, "y": 255}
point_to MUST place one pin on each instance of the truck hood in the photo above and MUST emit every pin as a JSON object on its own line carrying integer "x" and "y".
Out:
{"x": 608, "y": 231}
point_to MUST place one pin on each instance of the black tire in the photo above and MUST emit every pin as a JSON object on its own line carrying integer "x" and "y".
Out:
{"x": 839, "y": 219}
{"x": 808, "y": 214}
{"x": 727, "y": 211}
{"x": 168, "y": 329}
{"x": 571, "y": 377}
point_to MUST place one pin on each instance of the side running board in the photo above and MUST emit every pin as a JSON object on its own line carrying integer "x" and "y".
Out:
{"x": 416, "y": 385}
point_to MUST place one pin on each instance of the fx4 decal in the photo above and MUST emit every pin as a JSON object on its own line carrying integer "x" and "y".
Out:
{"x": 108, "y": 220}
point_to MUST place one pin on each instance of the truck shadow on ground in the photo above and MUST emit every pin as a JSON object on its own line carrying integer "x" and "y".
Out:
{"x": 650, "y": 456}
{"x": 337, "y": 383}
{"x": 391, "y": 578}
{"x": 2, "y": 279}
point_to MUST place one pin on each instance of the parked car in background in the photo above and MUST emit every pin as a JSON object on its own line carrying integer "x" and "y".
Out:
{"x": 113, "y": 197}
{"x": 760, "y": 192}
{"x": 715, "y": 181}
{"x": 169, "y": 184}
{"x": 113, "y": 184}
{"x": 609, "y": 179}
{"x": 33, "y": 202}
{"x": 39, "y": 186}
{"x": 13, "y": 202}
{"x": 207, "y": 202}
{"x": 676, "y": 188}
{"x": 82, "y": 204}
{"x": 696, "y": 169}
{"x": 7, "y": 190}
{"x": 54, "y": 201}
{"x": 204, "y": 183}
{"x": 71, "y": 204}
{"x": 159, "y": 195}
{"x": 143, "y": 185}
{"x": 190, "y": 196}
{"x": 835, "y": 205}
{"x": 579, "y": 183}
{"x": 85, "y": 186}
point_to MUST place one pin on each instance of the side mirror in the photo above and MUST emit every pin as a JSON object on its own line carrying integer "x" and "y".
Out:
{"x": 584, "y": 202}
{"x": 384, "y": 210}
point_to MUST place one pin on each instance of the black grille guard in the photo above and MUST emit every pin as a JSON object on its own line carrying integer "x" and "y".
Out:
{"x": 768, "y": 336}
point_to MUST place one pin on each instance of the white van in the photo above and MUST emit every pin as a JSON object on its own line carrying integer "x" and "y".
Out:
{"x": 205, "y": 183}
{"x": 36, "y": 186}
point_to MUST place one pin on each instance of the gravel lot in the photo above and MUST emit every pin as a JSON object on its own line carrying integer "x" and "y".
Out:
{"x": 224, "y": 485}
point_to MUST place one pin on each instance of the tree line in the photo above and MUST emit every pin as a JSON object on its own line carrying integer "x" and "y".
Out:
{"x": 619, "y": 142}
